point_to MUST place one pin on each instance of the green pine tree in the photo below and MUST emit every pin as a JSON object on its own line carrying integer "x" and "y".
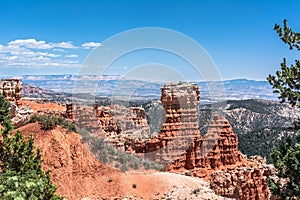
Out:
{"x": 21, "y": 174}
{"x": 287, "y": 80}
{"x": 4, "y": 109}
{"x": 286, "y": 157}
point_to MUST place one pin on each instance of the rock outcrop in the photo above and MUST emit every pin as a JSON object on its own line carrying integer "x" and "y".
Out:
{"x": 120, "y": 120}
{"x": 69, "y": 111}
{"x": 118, "y": 124}
{"x": 179, "y": 143}
{"x": 219, "y": 146}
{"x": 138, "y": 116}
{"x": 19, "y": 115}
{"x": 179, "y": 134}
{"x": 11, "y": 89}
{"x": 85, "y": 118}
{"x": 179, "y": 137}
{"x": 217, "y": 149}
{"x": 109, "y": 121}
{"x": 240, "y": 183}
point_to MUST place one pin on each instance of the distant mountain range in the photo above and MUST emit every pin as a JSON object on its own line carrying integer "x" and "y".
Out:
{"x": 120, "y": 88}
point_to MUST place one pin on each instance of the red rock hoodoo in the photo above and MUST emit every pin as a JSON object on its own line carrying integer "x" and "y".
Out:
{"x": 118, "y": 120}
{"x": 85, "y": 118}
{"x": 217, "y": 148}
{"x": 138, "y": 116}
{"x": 179, "y": 135}
{"x": 11, "y": 89}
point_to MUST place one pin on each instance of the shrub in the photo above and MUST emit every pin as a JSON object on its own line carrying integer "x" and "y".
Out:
{"x": 124, "y": 167}
{"x": 50, "y": 122}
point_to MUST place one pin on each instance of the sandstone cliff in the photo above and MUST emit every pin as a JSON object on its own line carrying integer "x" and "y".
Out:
{"x": 179, "y": 135}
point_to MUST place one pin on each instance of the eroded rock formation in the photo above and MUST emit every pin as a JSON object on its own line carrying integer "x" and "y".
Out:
{"x": 19, "y": 115}
{"x": 117, "y": 119}
{"x": 69, "y": 110}
{"x": 219, "y": 147}
{"x": 240, "y": 183}
{"x": 138, "y": 116}
{"x": 11, "y": 89}
{"x": 179, "y": 137}
{"x": 85, "y": 118}
{"x": 214, "y": 156}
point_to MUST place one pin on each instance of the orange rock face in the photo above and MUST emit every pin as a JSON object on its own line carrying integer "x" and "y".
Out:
{"x": 219, "y": 146}
{"x": 11, "y": 89}
{"x": 138, "y": 116}
{"x": 179, "y": 135}
{"x": 85, "y": 118}
{"x": 118, "y": 119}
{"x": 74, "y": 170}
{"x": 240, "y": 183}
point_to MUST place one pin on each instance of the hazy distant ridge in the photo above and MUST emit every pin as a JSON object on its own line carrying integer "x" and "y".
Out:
{"x": 236, "y": 89}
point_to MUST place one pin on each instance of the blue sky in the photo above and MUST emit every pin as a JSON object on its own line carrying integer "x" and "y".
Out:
{"x": 55, "y": 37}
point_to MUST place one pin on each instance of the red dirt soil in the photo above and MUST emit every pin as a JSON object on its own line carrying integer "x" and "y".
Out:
{"x": 41, "y": 106}
{"x": 78, "y": 174}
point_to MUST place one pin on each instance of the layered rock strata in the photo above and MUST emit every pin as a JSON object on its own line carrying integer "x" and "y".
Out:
{"x": 219, "y": 147}
{"x": 240, "y": 183}
{"x": 11, "y": 89}
{"x": 69, "y": 110}
{"x": 138, "y": 116}
{"x": 85, "y": 118}
{"x": 118, "y": 119}
{"x": 179, "y": 138}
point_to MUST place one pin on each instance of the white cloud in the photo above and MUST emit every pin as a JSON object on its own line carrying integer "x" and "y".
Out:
{"x": 32, "y": 53}
{"x": 89, "y": 45}
{"x": 59, "y": 50}
{"x": 13, "y": 58}
{"x": 52, "y": 55}
{"x": 30, "y": 43}
{"x": 34, "y": 44}
{"x": 64, "y": 45}
{"x": 72, "y": 56}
